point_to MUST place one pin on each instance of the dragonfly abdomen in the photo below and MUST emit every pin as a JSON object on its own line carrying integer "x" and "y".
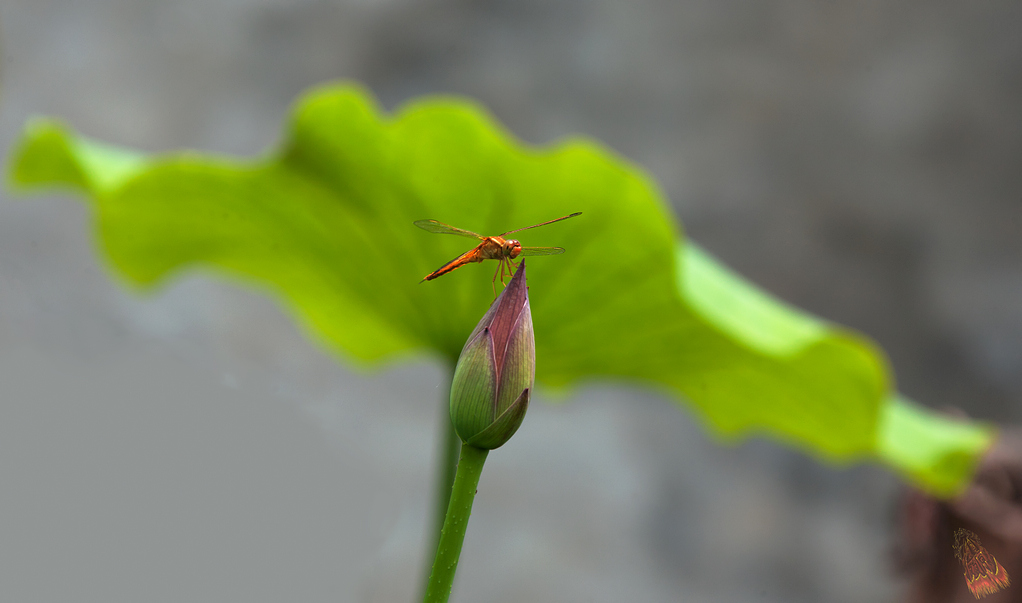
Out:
{"x": 468, "y": 257}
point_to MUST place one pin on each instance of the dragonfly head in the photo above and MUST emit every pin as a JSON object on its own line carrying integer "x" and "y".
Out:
{"x": 513, "y": 248}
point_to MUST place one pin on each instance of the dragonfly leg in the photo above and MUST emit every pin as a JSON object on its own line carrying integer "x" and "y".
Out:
{"x": 504, "y": 264}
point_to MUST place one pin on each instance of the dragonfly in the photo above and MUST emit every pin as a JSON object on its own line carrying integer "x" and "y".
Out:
{"x": 505, "y": 251}
{"x": 983, "y": 574}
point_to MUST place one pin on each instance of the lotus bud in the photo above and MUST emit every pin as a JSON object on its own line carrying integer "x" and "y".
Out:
{"x": 496, "y": 371}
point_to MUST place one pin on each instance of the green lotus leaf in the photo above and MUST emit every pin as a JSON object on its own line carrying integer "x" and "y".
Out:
{"x": 324, "y": 224}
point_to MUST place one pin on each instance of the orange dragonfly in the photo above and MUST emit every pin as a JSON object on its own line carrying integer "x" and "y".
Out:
{"x": 498, "y": 248}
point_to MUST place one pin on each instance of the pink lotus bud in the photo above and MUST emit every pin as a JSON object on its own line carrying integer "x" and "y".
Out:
{"x": 496, "y": 371}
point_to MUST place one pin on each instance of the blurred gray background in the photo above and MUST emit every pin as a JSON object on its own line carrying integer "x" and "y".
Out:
{"x": 859, "y": 159}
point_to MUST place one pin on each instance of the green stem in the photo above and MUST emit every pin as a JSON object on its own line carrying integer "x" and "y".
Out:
{"x": 447, "y": 466}
{"x": 470, "y": 467}
{"x": 443, "y": 475}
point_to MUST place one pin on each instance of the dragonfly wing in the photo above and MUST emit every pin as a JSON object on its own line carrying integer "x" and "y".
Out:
{"x": 541, "y": 251}
{"x": 578, "y": 213}
{"x": 441, "y": 228}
